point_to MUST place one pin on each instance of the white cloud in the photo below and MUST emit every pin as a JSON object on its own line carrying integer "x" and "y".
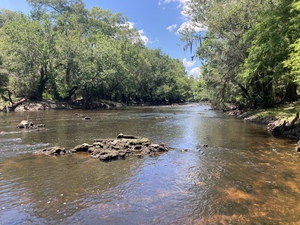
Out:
{"x": 187, "y": 63}
{"x": 192, "y": 26}
{"x": 144, "y": 38}
{"x": 195, "y": 72}
{"x": 172, "y": 28}
{"x": 181, "y": 2}
{"x": 130, "y": 24}
{"x": 187, "y": 24}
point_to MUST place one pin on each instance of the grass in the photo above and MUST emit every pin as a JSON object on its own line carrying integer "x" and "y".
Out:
{"x": 285, "y": 112}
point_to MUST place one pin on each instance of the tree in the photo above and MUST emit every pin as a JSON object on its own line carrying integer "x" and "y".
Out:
{"x": 90, "y": 53}
{"x": 3, "y": 79}
{"x": 5, "y": 16}
{"x": 293, "y": 61}
{"x": 28, "y": 46}
{"x": 264, "y": 71}
{"x": 65, "y": 51}
{"x": 56, "y": 8}
{"x": 224, "y": 48}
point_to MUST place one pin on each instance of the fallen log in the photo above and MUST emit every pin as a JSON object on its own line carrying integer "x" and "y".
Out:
{"x": 14, "y": 105}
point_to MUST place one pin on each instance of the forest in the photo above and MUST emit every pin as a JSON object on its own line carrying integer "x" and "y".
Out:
{"x": 250, "y": 54}
{"x": 63, "y": 51}
{"x": 250, "y": 51}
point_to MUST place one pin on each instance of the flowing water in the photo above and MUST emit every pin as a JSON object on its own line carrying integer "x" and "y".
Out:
{"x": 244, "y": 176}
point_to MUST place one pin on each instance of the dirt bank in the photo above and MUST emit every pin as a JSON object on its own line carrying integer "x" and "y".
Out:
{"x": 280, "y": 121}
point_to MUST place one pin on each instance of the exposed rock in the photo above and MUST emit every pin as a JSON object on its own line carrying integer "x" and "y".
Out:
{"x": 236, "y": 112}
{"x": 42, "y": 105}
{"x": 109, "y": 149}
{"x": 52, "y": 151}
{"x": 27, "y": 125}
{"x": 285, "y": 129}
{"x": 82, "y": 148}
{"x": 260, "y": 119}
{"x": 276, "y": 126}
{"x": 142, "y": 141}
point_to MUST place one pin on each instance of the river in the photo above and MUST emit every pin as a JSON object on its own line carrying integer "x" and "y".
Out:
{"x": 244, "y": 176}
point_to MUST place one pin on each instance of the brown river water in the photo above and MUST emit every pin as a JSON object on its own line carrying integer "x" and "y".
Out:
{"x": 244, "y": 176}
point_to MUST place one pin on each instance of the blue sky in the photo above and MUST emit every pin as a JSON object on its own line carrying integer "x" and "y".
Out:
{"x": 156, "y": 21}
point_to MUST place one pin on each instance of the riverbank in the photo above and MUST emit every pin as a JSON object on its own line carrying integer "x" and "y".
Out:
{"x": 28, "y": 105}
{"x": 281, "y": 121}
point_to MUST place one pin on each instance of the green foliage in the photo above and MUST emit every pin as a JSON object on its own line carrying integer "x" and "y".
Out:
{"x": 250, "y": 51}
{"x": 5, "y": 16}
{"x": 264, "y": 68}
{"x": 293, "y": 61}
{"x": 28, "y": 46}
{"x": 62, "y": 50}
{"x": 3, "y": 80}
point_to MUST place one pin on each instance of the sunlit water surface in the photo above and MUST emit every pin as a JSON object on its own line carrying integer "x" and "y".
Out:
{"x": 244, "y": 176}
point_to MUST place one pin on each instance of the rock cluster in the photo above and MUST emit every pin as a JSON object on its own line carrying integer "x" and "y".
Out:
{"x": 110, "y": 149}
{"x": 26, "y": 124}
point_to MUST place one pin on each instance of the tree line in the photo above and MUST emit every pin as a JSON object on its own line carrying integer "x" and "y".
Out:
{"x": 62, "y": 50}
{"x": 250, "y": 51}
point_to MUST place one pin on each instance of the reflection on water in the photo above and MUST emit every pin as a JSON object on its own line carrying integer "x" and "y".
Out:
{"x": 245, "y": 176}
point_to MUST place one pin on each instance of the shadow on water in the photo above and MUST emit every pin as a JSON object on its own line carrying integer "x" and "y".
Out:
{"x": 244, "y": 176}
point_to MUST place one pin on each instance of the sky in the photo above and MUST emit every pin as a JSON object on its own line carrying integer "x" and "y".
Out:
{"x": 156, "y": 20}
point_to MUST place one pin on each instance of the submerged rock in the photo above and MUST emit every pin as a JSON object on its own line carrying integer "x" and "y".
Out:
{"x": 125, "y": 136}
{"x": 110, "y": 149}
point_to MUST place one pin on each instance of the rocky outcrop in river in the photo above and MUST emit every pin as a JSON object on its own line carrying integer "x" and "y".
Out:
{"x": 277, "y": 127}
{"x": 286, "y": 129}
{"x": 110, "y": 149}
{"x": 29, "y": 125}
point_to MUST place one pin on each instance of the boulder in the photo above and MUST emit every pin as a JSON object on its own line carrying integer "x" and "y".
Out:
{"x": 82, "y": 148}
{"x": 25, "y": 124}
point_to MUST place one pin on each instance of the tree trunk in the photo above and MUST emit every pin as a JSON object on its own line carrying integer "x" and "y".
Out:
{"x": 15, "y": 105}
{"x": 42, "y": 84}
{"x": 291, "y": 92}
{"x": 70, "y": 93}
